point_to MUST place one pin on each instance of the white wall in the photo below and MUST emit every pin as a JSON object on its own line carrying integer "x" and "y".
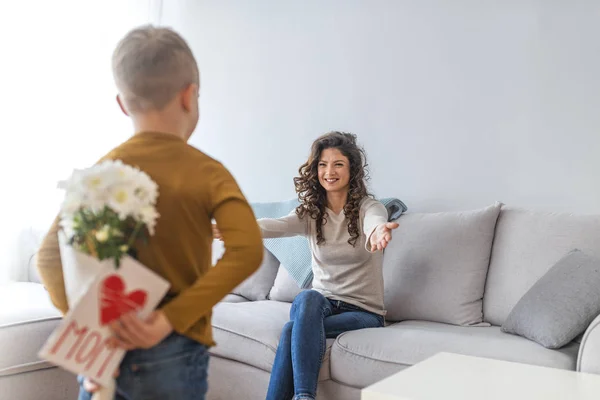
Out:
{"x": 57, "y": 108}
{"x": 458, "y": 103}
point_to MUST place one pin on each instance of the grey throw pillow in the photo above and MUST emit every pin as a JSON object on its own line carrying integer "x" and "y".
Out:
{"x": 285, "y": 287}
{"x": 434, "y": 268}
{"x": 561, "y": 304}
{"x": 258, "y": 285}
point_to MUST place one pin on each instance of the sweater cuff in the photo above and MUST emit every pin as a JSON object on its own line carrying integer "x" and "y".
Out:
{"x": 178, "y": 320}
{"x": 368, "y": 241}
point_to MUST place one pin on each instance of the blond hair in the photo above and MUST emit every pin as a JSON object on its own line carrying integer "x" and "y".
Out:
{"x": 151, "y": 65}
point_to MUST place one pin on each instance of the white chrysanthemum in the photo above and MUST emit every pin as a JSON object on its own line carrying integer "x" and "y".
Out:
{"x": 125, "y": 189}
{"x": 122, "y": 200}
{"x": 103, "y": 234}
{"x": 72, "y": 203}
{"x": 73, "y": 183}
{"x": 148, "y": 215}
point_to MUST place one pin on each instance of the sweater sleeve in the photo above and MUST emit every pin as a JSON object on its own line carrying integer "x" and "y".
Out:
{"x": 290, "y": 225}
{"x": 49, "y": 267}
{"x": 242, "y": 257}
{"x": 375, "y": 214}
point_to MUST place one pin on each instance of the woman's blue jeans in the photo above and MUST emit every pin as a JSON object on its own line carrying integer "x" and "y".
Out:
{"x": 313, "y": 319}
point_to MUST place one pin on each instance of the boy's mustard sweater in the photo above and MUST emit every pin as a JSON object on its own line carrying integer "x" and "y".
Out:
{"x": 193, "y": 189}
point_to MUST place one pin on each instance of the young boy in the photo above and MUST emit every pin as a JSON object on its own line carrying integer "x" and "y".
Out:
{"x": 167, "y": 354}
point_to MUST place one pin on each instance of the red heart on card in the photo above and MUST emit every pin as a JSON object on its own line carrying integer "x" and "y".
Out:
{"x": 114, "y": 302}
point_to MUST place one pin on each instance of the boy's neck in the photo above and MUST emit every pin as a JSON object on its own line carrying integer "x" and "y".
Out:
{"x": 156, "y": 123}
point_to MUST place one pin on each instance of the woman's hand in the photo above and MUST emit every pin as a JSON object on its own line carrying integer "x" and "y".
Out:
{"x": 382, "y": 235}
{"x": 216, "y": 232}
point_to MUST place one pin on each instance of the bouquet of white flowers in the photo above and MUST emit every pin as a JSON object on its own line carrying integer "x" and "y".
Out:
{"x": 107, "y": 208}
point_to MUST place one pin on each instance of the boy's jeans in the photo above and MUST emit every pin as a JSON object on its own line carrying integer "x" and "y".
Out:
{"x": 175, "y": 369}
{"x": 302, "y": 344}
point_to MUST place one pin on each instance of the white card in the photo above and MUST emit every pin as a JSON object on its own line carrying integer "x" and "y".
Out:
{"x": 79, "y": 343}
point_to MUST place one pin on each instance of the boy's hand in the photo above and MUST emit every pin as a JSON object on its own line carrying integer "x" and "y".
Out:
{"x": 382, "y": 235}
{"x": 130, "y": 332}
{"x": 216, "y": 232}
{"x": 92, "y": 387}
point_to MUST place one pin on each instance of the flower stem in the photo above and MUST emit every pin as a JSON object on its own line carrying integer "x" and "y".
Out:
{"x": 134, "y": 234}
{"x": 90, "y": 245}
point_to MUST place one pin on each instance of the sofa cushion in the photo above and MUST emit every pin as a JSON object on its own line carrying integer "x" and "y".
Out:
{"x": 436, "y": 265}
{"x": 27, "y": 318}
{"x": 361, "y": 358}
{"x": 258, "y": 285}
{"x": 234, "y": 298}
{"x": 249, "y": 333}
{"x": 561, "y": 305}
{"x": 285, "y": 287}
{"x": 527, "y": 244}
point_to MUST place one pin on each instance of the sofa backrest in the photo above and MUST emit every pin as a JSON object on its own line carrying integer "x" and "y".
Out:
{"x": 526, "y": 245}
{"x": 33, "y": 274}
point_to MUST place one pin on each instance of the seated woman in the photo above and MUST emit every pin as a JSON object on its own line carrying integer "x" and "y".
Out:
{"x": 346, "y": 229}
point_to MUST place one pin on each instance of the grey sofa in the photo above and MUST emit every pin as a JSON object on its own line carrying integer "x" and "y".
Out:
{"x": 27, "y": 318}
{"x": 451, "y": 279}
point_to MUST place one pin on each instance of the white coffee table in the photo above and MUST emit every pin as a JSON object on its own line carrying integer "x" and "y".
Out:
{"x": 457, "y": 377}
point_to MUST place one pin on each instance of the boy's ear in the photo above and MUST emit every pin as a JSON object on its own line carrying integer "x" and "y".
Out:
{"x": 189, "y": 96}
{"x": 122, "y": 106}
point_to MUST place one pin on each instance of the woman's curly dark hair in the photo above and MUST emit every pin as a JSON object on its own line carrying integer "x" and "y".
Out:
{"x": 313, "y": 197}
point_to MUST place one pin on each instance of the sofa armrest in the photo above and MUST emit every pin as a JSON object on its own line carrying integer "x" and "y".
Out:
{"x": 588, "y": 359}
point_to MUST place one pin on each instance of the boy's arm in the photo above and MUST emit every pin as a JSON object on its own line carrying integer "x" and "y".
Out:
{"x": 49, "y": 267}
{"x": 242, "y": 257}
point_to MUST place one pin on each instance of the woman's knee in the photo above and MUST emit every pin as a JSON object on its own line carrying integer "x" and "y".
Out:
{"x": 308, "y": 300}
{"x": 287, "y": 329}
